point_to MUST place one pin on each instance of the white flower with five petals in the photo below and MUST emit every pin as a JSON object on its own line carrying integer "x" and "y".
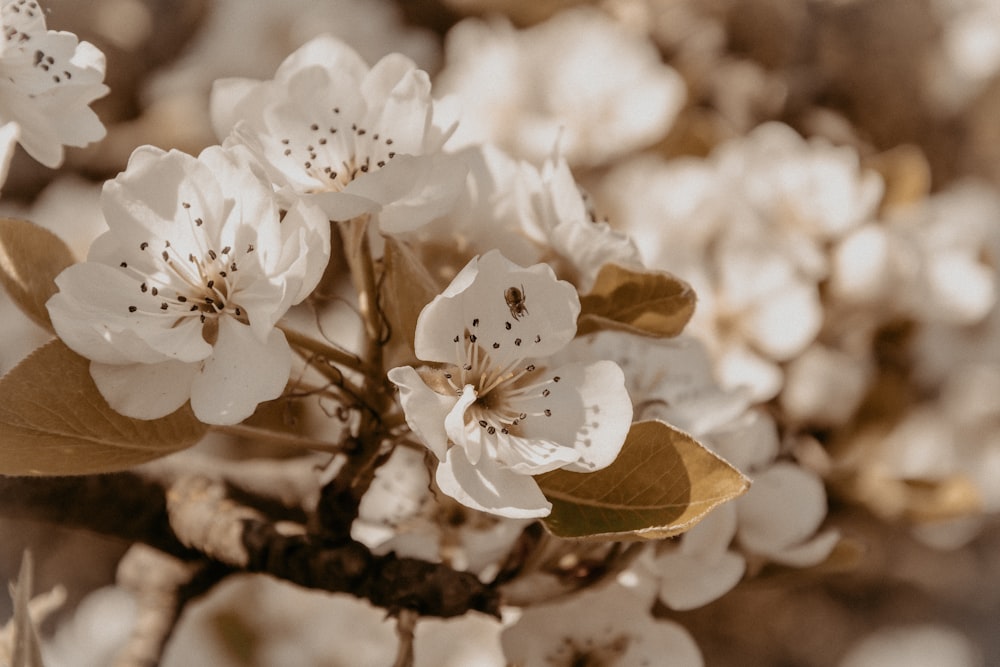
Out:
{"x": 490, "y": 409}
{"x": 345, "y": 137}
{"x": 180, "y": 297}
{"x": 47, "y": 80}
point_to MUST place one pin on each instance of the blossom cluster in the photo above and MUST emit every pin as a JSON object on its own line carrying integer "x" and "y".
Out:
{"x": 459, "y": 277}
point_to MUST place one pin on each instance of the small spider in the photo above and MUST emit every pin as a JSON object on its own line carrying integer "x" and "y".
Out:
{"x": 516, "y": 299}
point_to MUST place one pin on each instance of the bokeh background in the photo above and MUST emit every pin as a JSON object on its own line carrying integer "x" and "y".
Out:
{"x": 853, "y": 144}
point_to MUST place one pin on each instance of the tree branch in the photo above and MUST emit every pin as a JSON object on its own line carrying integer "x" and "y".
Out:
{"x": 193, "y": 517}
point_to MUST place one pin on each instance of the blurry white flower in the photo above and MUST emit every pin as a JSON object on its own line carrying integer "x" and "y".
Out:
{"x": 701, "y": 566}
{"x": 930, "y": 263}
{"x": 372, "y": 27}
{"x": 399, "y": 513}
{"x": 179, "y": 299}
{"x": 530, "y": 215}
{"x": 345, "y": 137}
{"x": 824, "y": 386}
{"x": 95, "y": 633}
{"x": 492, "y": 412}
{"x": 579, "y": 79}
{"x": 968, "y": 52}
{"x": 748, "y": 228}
{"x": 778, "y": 518}
{"x": 808, "y": 187}
{"x": 609, "y": 625}
{"x": 903, "y": 646}
{"x": 47, "y": 80}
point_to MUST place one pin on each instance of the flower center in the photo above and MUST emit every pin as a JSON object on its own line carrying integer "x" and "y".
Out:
{"x": 201, "y": 284}
{"x": 333, "y": 152}
{"x": 506, "y": 395}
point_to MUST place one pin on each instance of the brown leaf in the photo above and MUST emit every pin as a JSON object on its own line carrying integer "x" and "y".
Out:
{"x": 53, "y": 421}
{"x": 662, "y": 483}
{"x": 407, "y": 287}
{"x": 648, "y": 303}
{"x": 30, "y": 259}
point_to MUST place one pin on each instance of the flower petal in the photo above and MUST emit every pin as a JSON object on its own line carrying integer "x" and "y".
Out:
{"x": 145, "y": 391}
{"x": 583, "y": 406}
{"x": 519, "y": 313}
{"x": 785, "y": 506}
{"x": 241, "y": 373}
{"x": 455, "y": 426}
{"x": 91, "y": 314}
{"x": 490, "y": 488}
{"x": 424, "y": 408}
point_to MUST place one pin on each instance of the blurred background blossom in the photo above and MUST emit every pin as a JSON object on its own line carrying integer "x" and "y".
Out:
{"x": 825, "y": 173}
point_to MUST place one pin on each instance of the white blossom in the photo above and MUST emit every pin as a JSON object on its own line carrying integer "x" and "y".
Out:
{"x": 579, "y": 79}
{"x": 777, "y": 518}
{"x": 345, "y": 137}
{"x": 399, "y": 513}
{"x": 607, "y": 625}
{"x": 179, "y": 298}
{"x": 748, "y": 228}
{"x": 47, "y": 80}
{"x": 491, "y": 410}
{"x": 531, "y": 215}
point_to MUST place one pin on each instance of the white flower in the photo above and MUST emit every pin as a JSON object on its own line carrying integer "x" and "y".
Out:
{"x": 579, "y": 79}
{"x": 916, "y": 644}
{"x": 610, "y": 625}
{"x": 179, "y": 298}
{"x": 399, "y": 513}
{"x": 47, "y": 80}
{"x": 531, "y": 215}
{"x": 491, "y": 411}
{"x": 348, "y": 138}
{"x": 778, "y": 518}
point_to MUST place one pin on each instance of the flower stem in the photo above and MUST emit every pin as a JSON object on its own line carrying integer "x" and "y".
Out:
{"x": 328, "y": 352}
{"x": 279, "y": 437}
{"x": 358, "y": 254}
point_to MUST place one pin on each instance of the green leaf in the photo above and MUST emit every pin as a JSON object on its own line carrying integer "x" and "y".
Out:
{"x": 647, "y": 303}
{"x": 53, "y": 421}
{"x": 662, "y": 483}
{"x": 30, "y": 259}
{"x": 407, "y": 287}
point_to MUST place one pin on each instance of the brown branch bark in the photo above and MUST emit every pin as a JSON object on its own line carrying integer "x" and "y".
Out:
{"x": 193, "y": 517}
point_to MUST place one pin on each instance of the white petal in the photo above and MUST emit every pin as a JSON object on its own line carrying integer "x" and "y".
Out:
{"x": 809, "y": 553}
{"x": 424, "y": 408}
{"x": 588, "y": 408}
{"x": 232, "y": 98}
{"x": 432, "y": 192}
{"x": 689, "y": 582}
{"x": 91, "y": 314}
{"x": 712, "y": 535}
{"x": 145, "y": 391}
{"x": 784, "y": 506}
{"x": 241, "y": 373}
{"x": 455, "y": 427}
{"x": 489, "y": 488}
{"x": 327, "y": 52}
{"x": 518, "y": 313}
{"x": 785, "y": 322}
